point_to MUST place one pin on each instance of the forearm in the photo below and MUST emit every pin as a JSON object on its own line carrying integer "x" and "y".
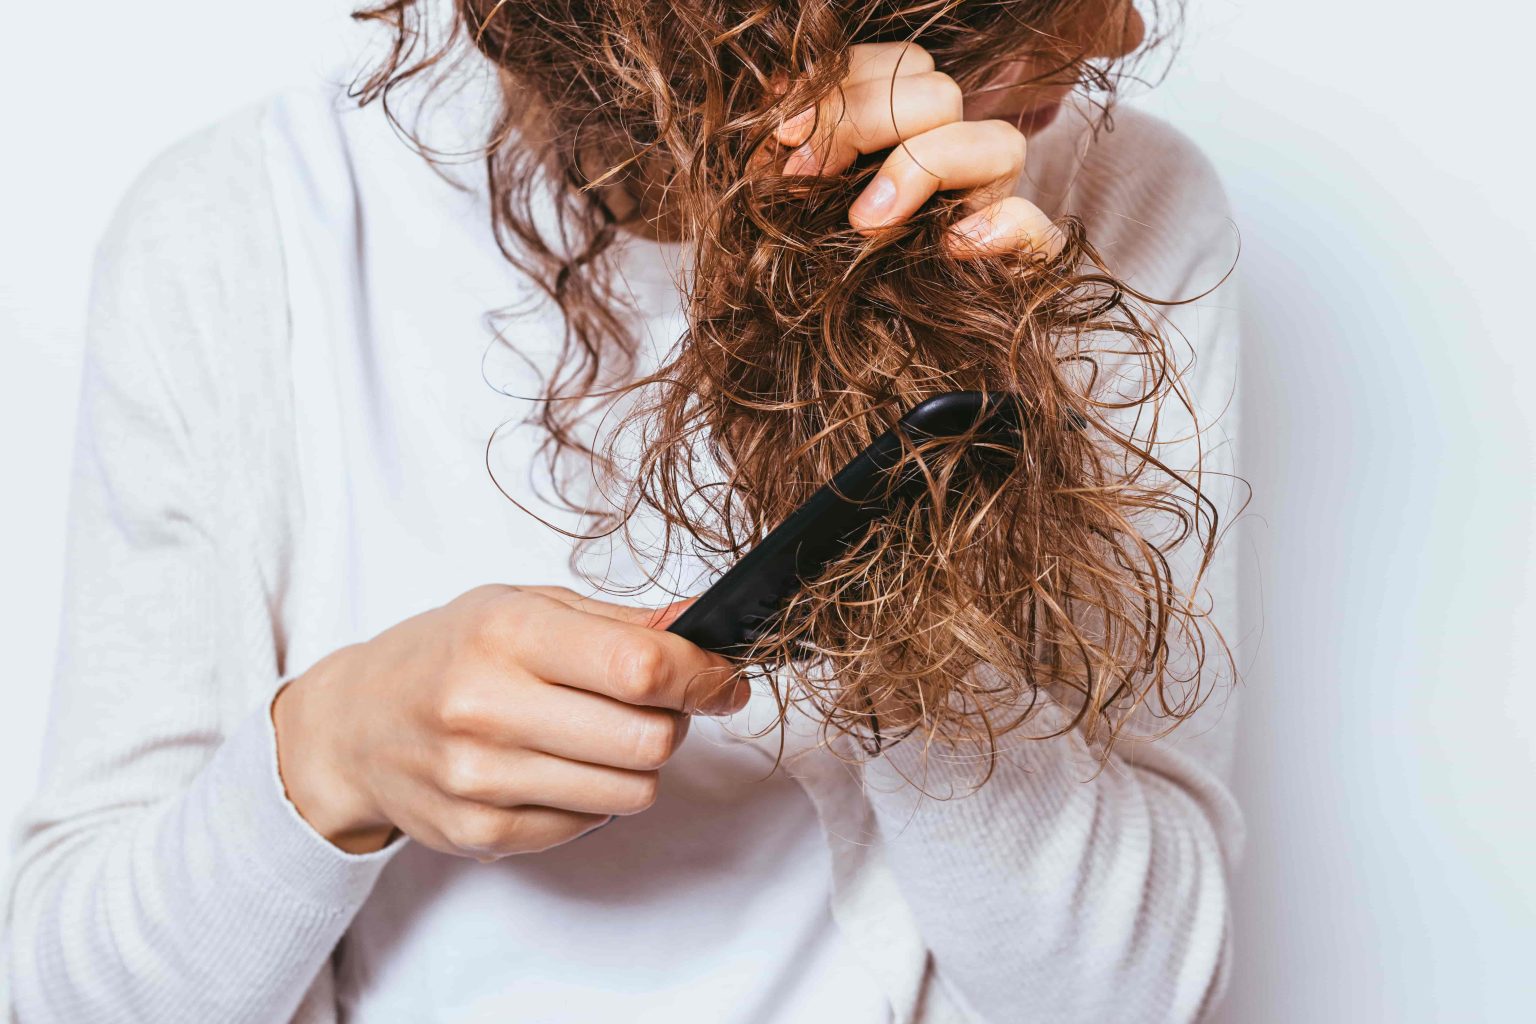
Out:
{"x": 216, "y": 904}
{"x": 1067, "y": 898}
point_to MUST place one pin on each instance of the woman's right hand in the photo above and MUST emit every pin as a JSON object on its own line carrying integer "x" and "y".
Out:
{"x": 510, "y": 720}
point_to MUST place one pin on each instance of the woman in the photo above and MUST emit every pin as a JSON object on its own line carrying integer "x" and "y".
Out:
{"x": 278, "y": 789}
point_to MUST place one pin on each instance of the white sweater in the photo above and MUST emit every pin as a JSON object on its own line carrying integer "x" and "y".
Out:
{"x": 162, "y": 875}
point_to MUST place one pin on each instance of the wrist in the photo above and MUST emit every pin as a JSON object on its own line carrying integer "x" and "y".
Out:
{"x": 315, "y": 775}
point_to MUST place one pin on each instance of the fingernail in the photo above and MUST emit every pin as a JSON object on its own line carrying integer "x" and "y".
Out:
{"x": 874, "y": 202}
{"x": 802, "y": 161}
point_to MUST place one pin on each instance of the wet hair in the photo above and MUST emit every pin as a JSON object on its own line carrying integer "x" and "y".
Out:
{"x": 1015, "y": 579}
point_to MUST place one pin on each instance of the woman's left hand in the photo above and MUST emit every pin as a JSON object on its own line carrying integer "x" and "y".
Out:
{"x": 893, "y": 97}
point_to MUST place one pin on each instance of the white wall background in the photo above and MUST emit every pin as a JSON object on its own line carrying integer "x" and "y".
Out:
{"x": 1379, "y": 158}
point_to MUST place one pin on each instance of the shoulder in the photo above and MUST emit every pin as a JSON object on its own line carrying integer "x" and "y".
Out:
{"x": 192, "y": 251}
{"x": 1150, "y": 199}
{"x": 187, "y": 334}
{"x": 204, "y": 196}
{"x": 189, "y": 275}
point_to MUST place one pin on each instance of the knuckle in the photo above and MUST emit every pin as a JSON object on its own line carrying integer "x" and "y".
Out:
{"x": 498, "y": 624}
{"x": 654, "y": 738}
{"x": 562, "y": 594}
{"x": 479, "y": 830}
{"x": 907, "y": 57}
{"x": 1007, "y": 139}
{"x": 486, "y": 592}
{"x": 946, "y": 93}
{"x": 1013, "y": 209}
{"x": 640, "y": 793}
{"x": 485, "y": 627}
{"x": 462, "y": 773}
{"x": 460, "y": 710}
{"x": 639, "y": 668}
{"x": 914, "y": 57}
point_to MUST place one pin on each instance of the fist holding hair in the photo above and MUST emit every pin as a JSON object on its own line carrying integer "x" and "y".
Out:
{"x": 893, "y": 99}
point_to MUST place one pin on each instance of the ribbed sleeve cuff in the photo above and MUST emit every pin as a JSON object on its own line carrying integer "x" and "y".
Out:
{"x": 274, "y": 842}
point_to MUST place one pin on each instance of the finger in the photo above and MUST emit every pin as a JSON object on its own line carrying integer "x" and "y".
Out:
{"x": 582, "y": 726}
{"x": 486, "y": 832}
{"x": 985, "y": 155}
{"x": 869, "y": 116}
{"x": 1012, "y": 223}
{"x": 481, "y": 773}
{"x": 866, "y": 62}
{"x": 876, "y": 61}
{"x": 672, "y": 612}
{"x": 562, "y": 644}
{"x": 651, "y": 618}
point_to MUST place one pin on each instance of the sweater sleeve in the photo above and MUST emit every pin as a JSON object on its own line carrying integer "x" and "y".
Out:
{"x": 161, "y": 873}
{"x": 1058, "y": 891}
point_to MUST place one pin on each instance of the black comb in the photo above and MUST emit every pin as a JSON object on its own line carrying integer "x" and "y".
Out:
{"x": 741, "y": 604}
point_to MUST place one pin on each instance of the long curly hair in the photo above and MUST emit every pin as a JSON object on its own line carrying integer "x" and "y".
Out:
{"x": 1042, "y": 575}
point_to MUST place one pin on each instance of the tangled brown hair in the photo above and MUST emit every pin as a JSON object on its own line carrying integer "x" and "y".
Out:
{"x": 1041, "y": 575}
